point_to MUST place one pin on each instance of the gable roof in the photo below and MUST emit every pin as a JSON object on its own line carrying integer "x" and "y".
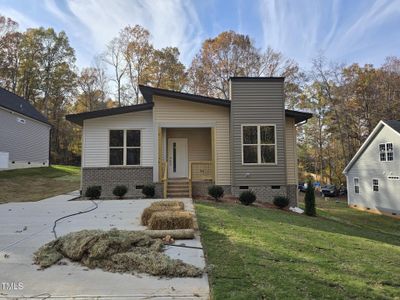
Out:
{"x": 79, "y": 118}
{"x": 148, "y": 93}
{"x": 20, "y": 105}
{"x": 392, "y": 124}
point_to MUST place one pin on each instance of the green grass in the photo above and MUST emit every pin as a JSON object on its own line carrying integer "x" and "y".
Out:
{"x": 256, "y": 253}
{"x": 37, "y": 183}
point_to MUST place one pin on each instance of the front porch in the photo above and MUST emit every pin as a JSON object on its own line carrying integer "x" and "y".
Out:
{"x": 186, "y": 158}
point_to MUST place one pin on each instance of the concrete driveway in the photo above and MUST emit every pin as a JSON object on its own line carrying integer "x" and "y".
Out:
{"x": 24, "y": 227}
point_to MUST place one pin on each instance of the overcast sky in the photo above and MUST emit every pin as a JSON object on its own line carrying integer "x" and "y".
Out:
{"x": 363, "y": 31}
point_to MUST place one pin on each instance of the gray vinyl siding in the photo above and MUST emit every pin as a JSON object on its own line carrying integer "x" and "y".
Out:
{"x": 257, "y": 102}
{"x": 27, "y": 142}
{"x": 368, "y": 167}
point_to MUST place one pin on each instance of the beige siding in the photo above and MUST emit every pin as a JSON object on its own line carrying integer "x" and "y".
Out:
{"x": 169, "y": 112}
{"x": 96, "y": 136}
{"x": 291, "y": 151}
{"x": 199, "y": 141}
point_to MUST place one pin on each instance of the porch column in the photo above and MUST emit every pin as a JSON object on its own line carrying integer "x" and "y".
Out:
{"x": 213, "y": 166}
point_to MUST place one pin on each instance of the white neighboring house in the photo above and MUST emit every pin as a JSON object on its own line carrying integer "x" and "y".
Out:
{"x": 373, "y": 175}
{"x": 24, "y": 134}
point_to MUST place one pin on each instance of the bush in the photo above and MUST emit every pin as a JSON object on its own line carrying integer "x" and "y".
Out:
{"x": 247, "y": 197}
{"x": 216, "y": 191}
{"x": 149, "y": 211}
{"x": 281, "y": 201}
{"x": 93, "y": 192}
{"x": 309, "y": 200}
{"x": 167, "y": 220}
{"x": 149, "y": 190}
{"x": 120, "y": 191}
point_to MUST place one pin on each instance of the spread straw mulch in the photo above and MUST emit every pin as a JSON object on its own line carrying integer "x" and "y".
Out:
{"x": 114, "y": 251}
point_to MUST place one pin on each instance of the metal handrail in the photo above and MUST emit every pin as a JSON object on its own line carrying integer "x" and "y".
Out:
{"x": 165, "y": 178}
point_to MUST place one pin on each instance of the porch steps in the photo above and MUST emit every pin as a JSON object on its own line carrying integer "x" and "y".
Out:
{"x": 178, "y": 188}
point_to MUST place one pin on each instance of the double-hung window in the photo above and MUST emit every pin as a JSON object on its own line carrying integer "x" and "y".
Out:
{"x": 124, "y": 147}
{"x": 258, "y": 144}
{"x": 386, "y": 152}
{"x": 375, "y": 185}
{"x": 356, "y": 185}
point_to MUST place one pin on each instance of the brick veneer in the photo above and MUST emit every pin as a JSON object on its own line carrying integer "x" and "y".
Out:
{"x": 108, "y": 178}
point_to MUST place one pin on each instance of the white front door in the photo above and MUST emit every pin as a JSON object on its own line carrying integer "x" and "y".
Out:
{"x": 177, "y": 157}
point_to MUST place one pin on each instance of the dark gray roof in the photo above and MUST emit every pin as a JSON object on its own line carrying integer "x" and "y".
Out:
{"x": 148, "y": 93}
{"x": 79, "y": 118}
{"x": 20, "y": 105}
{"x": 394, "y": 124}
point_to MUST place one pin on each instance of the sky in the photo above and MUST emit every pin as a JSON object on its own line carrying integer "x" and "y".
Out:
{"x": 345, "y": 31}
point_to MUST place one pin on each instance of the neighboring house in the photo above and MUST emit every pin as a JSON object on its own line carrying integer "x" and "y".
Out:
{"x": 24, "y": 133}
{"x": 373, "y": 175}
{"x": 184, "y": 142}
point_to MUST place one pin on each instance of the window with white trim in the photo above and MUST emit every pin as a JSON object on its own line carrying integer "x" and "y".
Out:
{"x": 124, "y": 147}
{"x": 386, "y": 152}
{"x": 258, "y": 144}
{"x": 356, "y": 185}
{"x": 375, "y": 185}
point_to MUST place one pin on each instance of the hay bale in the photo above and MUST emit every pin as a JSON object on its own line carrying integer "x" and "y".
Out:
{"x": 148, "y": 212}
{"x": 177, "y": 234}
{"x": 168, "y": 203}
{"x": 166, "y": 220}
{"x": 114, "y": 251}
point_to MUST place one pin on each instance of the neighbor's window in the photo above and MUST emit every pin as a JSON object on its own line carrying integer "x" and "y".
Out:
{"x": 124, "y": 147}
{"x": 258, "y": 144}
{"x": 375, "y": 185}
{"x": 386, "y": 152}
{"x": 356, "y": 185}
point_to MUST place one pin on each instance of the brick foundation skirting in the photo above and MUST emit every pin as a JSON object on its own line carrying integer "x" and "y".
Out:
{"x": 267, "y": 193}
{"x": 108, "y": 178}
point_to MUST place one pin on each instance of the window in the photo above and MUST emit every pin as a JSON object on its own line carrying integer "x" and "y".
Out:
{"x": 258, "y": 144}
{"x": 386, "y": 152}
{"x": 375, "y": 185}
{"x": 356, "y": 185}
{"x": 124, "y": 147}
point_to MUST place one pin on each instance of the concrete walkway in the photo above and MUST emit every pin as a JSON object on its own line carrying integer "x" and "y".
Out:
{"x": 24, "y": 227}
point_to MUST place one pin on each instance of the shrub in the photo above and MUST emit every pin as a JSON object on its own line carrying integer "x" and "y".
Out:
{"x": 149, "y": 190}
{"x": 216, "y": 191}
{"x": 247, "y": 197}
{"x": 120, "y": 191}
{"x": 149, "y": 211}
{"x": 309, "y": 200}
{"x": 93, "y": 192}
{"x": 167, "y": 220}
{"x": 281, "y": 201}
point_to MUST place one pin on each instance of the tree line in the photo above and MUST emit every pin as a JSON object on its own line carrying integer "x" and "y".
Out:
{"x": 39, "y": 64}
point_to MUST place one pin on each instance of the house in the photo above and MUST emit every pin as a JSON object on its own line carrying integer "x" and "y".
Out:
{"x": 24, "y": 133}
{"x": 184, "y": 142}
{"x": 373, "y": 175}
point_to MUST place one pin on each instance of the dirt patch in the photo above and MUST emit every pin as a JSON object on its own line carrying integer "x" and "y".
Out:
{"x": 114, "y": 251}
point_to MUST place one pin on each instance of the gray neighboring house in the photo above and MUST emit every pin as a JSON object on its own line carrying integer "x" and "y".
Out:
{"x": 373, "y": 175}
{"x": 24, "y": 134}
{"x": 183, "y": 142}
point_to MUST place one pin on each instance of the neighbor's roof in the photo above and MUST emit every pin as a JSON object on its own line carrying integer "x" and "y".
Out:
{"x": 393, "y": 124}
{"x": 148, "y": 93}
{"x": 20, "y": 105}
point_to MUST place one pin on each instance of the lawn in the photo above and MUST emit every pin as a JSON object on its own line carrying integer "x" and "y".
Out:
{"x": 37, "y": 183}
{"x": 256, "y": 253}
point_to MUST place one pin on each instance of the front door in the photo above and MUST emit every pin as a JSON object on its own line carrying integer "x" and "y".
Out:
{"x": 177, "y": 157}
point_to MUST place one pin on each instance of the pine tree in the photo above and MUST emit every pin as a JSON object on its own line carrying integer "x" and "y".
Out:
{"x": 309, "y": 200}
